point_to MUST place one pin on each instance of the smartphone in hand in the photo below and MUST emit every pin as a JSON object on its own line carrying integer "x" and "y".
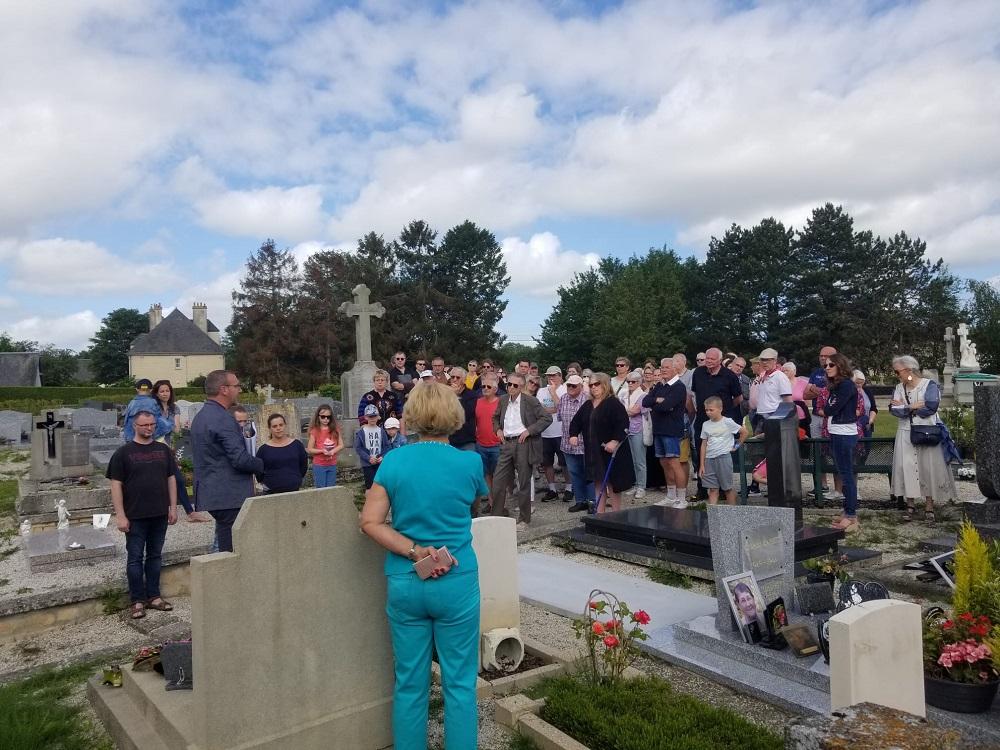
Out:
{"x": 426, "y": 566}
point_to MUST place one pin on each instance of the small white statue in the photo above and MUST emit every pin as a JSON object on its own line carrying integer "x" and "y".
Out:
{"x": 970, "y": 357}
{"x": 63, "y": 514}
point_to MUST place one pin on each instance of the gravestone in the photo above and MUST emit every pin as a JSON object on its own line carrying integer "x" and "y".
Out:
{"x": 876, "y": 656}
{"x": 23, "y": 419}
{"x": 187, "y": 410}
{"x": 47, "y": 551}
{"x": 814, "y": 598}
{"x": 287, "y": 410}
{"x": 303, "y": 596}
{"x": 784, "y": 463}
{"x": 10, "y": 431}
{"x": 98, "y": 421}
{"x": 987, "y": 406}
{"x": 57, "y": 453}
{"x": 745, "y": 537}
{"x": 358, "y": 380}
{"x": 494, "y": 540}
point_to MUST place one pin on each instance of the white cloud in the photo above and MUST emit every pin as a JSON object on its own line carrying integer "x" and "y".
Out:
{"x": 292, "y": 214}
{"x": 502, "y": 119}
{"x": 71, "y": 331}
{"x": 217, "y": 295}
{"x": 539, "y": 266}
{"x": 57, "y": 267}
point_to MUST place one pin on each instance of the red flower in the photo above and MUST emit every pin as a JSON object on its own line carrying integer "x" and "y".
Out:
{"x": 611, "y": 624}
{"x": 947, "y": 625}
{"x": 966, "y": 616}
{"x": 593, "y": 605}
{"x": 642, "y": 617}
{"x": 610, "y": 641}
{"x": 597, "y": 628}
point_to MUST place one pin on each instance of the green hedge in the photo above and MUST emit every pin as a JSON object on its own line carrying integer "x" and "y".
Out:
{"x": 646, "y": 714}
{"x": 37, "y": 399}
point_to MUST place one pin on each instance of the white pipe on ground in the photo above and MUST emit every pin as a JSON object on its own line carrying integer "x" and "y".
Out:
{"x": 503, "y": 649}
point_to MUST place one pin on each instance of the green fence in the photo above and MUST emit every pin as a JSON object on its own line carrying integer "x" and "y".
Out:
{"x": 872, "y": 456}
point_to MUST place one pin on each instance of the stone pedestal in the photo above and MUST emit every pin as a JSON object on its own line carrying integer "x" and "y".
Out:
{"x": 987, "y": 407}
{"x": 36, "y": 501}
{"x": 64, "y": 548}
{"x": 353, "y": 384}
{"x": 784, "y": 464}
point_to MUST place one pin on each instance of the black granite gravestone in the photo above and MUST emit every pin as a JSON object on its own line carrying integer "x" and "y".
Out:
{"x": 784, "y": 463}
{"x": 987, "y": 405}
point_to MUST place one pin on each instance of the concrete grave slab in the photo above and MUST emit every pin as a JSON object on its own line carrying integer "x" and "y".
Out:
{"x": 21, "y": 417}
{"x": 50, "y": 550}
{"x": 561, "y": 585}
{"x": 876, "y": 656}
{"x": 10, "y": 431}
{"x": 95, "y": 418}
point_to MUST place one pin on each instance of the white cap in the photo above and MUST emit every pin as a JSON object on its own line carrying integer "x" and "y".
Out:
{"x": 391, "y": 422}
{"x": 427, "y": 374}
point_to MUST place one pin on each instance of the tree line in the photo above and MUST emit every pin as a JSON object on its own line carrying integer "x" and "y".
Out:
{"x": 771, "y": 285}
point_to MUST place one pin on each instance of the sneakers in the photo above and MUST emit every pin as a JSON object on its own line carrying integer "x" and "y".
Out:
{"x": 833, "y": 495}
{"x": 629, "y": 491}
{"x": 640, "y": 493}
{"x": 578, "y": 507}
{"x": 567, "y": 496}
{"x": 549, "y": 496}
{"x": 753, "y": 492}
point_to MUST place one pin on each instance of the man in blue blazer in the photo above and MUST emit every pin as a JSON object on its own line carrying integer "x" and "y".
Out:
{"x": 223, "y": 470}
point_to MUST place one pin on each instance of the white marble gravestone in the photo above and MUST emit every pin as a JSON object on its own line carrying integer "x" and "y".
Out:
{"x": 876, "y": 655}
{"x": 494, "y": 540}
{"x": 291, "y": 642}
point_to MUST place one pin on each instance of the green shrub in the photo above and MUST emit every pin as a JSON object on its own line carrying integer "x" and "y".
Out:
{"x": 973, "y": 568}
{"x": 330, "y": 390}
{"x": 645, "y": 714}
{"x": 961, "y": 423}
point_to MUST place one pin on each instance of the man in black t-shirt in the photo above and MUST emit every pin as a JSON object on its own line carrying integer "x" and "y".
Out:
{"x": 144, "y": 495}
{"x": 711, "y": 379}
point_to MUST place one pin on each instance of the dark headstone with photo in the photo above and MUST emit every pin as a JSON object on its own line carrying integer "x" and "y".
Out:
{"x": 814, "y": 598}
{"x": 987, "y": 409}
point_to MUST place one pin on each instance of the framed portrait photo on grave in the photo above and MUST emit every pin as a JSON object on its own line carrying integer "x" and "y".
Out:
{"x": 747, "y": 605}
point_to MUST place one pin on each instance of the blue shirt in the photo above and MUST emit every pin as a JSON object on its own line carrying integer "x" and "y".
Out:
{"x": 431, "y": 488}
{"x": 818, "y": 379}
{"x": 145, "y": 402}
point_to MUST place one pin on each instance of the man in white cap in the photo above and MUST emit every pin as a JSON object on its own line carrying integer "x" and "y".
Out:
{"x": 774, "y": 386}
{"x": 548, "y": 397}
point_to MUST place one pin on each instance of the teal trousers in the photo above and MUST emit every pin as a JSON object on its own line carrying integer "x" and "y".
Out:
{"x": 442, "y": 613}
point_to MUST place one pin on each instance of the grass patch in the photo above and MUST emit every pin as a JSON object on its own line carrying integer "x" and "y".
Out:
{"x": 39, "y": 712}
{"x": 519, "y": 742}
{"x": 113, "y": 600}
{"x": 646, "y": 714}
{"x": 664, "y": 573}
{"x": 885, "y": 424}
{"x": 8, "y": 496}
{"x": 24, "y": 590}
{"x": 566, "y": 544}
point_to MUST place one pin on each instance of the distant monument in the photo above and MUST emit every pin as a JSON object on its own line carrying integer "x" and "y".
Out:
{"x": 357, "y": 380}
{"x": 968, "y": 375}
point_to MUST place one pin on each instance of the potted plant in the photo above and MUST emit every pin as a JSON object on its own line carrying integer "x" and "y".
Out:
{"x": 961, "y": 659}
{"x": 960, "y": 673}
{"x": 827, "y": 569}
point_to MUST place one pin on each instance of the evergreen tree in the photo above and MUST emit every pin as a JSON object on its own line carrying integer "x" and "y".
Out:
{"x": 110, "y": 345}
{"x": 264, "y": 315}
{"x": 983, "y": 313}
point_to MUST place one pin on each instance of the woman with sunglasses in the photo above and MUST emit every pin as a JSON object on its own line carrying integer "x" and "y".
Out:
{"x": 918, "y": 470}
{"x": 325, "y": 442}
{"x": 842, "y": 423}
{"x": 605, "y": 441}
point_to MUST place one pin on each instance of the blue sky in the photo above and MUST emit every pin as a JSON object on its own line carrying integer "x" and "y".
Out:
{"x": 148, "y": 147}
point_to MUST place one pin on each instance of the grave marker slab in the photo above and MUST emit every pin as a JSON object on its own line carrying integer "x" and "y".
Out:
{"x": 987, "y": 406}
{"x": 99, "y": 420}
{"x": 56, "y": 453}
{"x": 727, "y": 525}
{"x": 10, "y": 431}
{"x": 50, "y": 550}
{"x": 21, "y": 417}
{"x": 876, "y": 655}
{"x": 304, "y": 597}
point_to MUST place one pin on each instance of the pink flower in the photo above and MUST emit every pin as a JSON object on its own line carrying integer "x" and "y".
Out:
{"x": 598, "y": 628}
{"x": 594, "y": 605}
{"x": 610, "y": 641}
{"x": 642, "y": 617}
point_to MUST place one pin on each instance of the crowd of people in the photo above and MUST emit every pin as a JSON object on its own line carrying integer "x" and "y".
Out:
{"x": 478, "y": 435}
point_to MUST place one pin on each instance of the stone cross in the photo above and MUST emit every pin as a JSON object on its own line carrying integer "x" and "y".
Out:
{"x": 950, "y": 354}
{"x": 363, "y": 310}
{"x": 268, "y": 393}
{"x": 50, "y": 425}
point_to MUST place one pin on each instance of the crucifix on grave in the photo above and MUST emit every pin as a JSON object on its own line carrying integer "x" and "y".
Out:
{"x": 364, "y": 311}
{"x": 50, "y": 425}
{"x": 949, "y": 337}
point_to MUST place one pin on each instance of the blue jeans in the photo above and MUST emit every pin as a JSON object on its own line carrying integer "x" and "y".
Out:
{"x": 583, "y": 488}
{"x": 638, "y": 459}
{"x": 324, "y": 476}
{"x": 842, "y": 447}
{"x": 443, "y": 613}
{"x": 144, "y": 548}
{"x": 182, "y": 492}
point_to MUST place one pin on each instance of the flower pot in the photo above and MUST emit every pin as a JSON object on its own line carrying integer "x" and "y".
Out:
{"x": 962, "y": 697}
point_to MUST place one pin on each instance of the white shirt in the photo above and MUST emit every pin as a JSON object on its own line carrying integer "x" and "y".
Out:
{"x": 373, "y": 439}
{"x": 719, "y": 436}
{"x": 512, "y": 423}
{"x": 544, "y": 396}
{"x": 769, "y": 391}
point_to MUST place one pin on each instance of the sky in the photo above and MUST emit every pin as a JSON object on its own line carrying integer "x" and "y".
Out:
{"x": 149, "y": 147}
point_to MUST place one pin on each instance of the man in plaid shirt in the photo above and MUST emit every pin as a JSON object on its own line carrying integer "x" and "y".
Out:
{"x": 569, "y": 404}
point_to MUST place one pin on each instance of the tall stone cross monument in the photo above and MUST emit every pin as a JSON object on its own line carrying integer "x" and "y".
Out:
{"x": 357, "y": 380}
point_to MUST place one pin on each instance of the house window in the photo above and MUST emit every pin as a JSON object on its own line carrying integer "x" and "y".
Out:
{"x": 177, "y": 363}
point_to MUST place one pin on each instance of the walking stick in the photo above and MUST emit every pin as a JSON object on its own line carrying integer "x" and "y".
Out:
{"x": 604, "y": 484}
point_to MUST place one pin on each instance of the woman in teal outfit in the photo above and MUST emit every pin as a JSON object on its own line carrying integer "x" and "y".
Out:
{"x": 430, "y": 487}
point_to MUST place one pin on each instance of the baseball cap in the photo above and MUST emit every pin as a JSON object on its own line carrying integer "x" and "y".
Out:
{"x": 371, "y": 410}
{"x": 143, "y": 383}
{"x": 427, "y": 374}
{"x": 769, "y": 353}
{"x": 553, "y": 371}
{"x": 574, "y": 380}
{"x": 391, "y": 422}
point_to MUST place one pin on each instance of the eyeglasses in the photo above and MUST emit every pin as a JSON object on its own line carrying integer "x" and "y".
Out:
{"x": 325, "y": 416}
{"x": 513, "y": 385}
{"x": 487, "y": 367}
{"x": 595, "y": 385}
{"x": 620, "y": 364}
{"x": 421, "y": 363}
{"x": 700, "y": 359}
{"x": 237, "y": 384}
{"x": 145, "y": 424}
{"x": 400, "y": 359}
{"x": 632, "y": 382}
{"x": 828, "y": 365}
{"x": 573, "y": 385}
{"x": 472, "y": 364}
{"x": 488, "y": 386}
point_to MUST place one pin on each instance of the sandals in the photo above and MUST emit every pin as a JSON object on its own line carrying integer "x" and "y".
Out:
{"x": 929, "y": 516}
{"x": 160, "y": 604}
{"x": 138, "y": 610}
{"x": 908, "y": 513}
{"x": 848, "y": 525}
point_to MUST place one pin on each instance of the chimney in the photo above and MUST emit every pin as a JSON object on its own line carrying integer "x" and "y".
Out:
{"x": 155, "y": 315}
{"x": 199, "y": 314}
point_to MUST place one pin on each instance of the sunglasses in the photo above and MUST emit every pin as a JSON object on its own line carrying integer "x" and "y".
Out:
{"x": 488, "y": 386}
{"x": 595, "y": 385}
{"x": 325, "y": 416}
{"x": 620, "y": 364}
{"x": 828, "y": 365}
{"x": 512, "y": 385}
{"x": 421, "y": 365}
{"x": 399, "y": 359}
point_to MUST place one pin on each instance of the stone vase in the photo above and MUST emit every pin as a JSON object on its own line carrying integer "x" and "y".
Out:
{"x": 960, "y": 697}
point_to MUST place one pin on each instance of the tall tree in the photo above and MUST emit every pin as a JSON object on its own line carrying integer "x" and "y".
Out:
{"x": 8, "y": 344}
{"x": 57, "y": 366}
{"x": 110, "y": 345}
{"x": 983, "y": 313}
{"x": 264, "y": 314}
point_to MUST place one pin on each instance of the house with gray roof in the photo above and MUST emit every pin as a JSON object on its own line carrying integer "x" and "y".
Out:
{"x": 176, "y": 348}
{"x": 20, "y": 369}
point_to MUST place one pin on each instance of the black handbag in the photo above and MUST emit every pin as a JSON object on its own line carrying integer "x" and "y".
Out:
{"x": 922, "y": 434}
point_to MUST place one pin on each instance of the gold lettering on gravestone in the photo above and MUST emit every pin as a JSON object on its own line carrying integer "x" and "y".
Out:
{"x": 763, "y": 551}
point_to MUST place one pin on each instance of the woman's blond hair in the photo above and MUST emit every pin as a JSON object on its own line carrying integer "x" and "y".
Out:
{"x": 604, "y": 380}
{"x": 433, "y": 409}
